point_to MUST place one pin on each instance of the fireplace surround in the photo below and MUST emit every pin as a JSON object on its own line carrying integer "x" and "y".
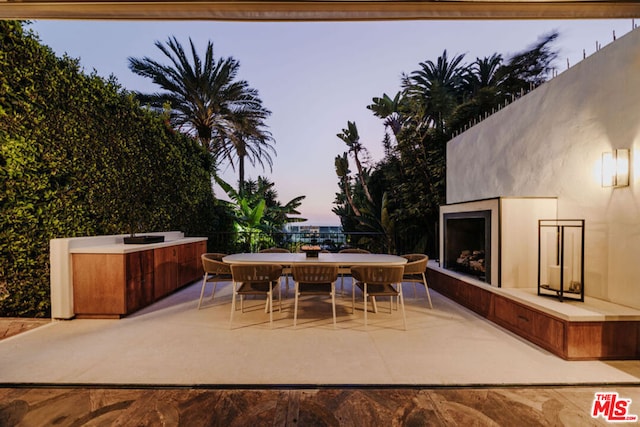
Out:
{"x": 504, "y": 228}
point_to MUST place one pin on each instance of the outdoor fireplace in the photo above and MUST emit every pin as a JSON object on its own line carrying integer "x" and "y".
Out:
{"x": 467, "y": 243}
{"x": 494, "y": 240}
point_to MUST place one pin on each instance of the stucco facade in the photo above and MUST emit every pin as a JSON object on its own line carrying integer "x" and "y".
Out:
{"x": 550, "y": 142}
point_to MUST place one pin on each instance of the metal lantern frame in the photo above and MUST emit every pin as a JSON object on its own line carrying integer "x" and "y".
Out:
{"x": 558, "y": 274}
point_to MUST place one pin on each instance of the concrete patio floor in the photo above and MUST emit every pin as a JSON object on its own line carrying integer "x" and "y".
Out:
{"x": 173, "y": 343}
{"x": 172, "y": 364}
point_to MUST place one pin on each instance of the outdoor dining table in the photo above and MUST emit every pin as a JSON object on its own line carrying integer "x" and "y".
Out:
{"x": 289, "y": 259}
{"x": 343, "y": 260}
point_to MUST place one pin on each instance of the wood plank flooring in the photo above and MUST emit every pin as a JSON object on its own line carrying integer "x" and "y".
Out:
{"x": 25, "y": 405}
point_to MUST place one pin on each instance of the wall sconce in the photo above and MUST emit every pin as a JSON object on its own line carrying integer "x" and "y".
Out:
{"x": 615, "y": 168}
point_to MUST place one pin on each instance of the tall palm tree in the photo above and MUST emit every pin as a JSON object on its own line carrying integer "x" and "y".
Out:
{"x": 485, "y": 72}
{"x": 437, "y": 88}
{"x": 206, "y": 100}
{"x": 249, "y": 140}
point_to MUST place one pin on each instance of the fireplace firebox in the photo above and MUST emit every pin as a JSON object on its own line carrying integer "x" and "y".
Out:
{"x": 467, "y": 243}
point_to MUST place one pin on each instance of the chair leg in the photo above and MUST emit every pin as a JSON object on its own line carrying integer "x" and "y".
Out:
{"x": 426, "y": 287}
{"x": 353, "y": 299}
{"x": 233, "y": 304}
{"x": 404, "y": 316}
{"x": 270, "y": 298}
{"x": 365, "y": 304}
{"x": 296, "y": 294}
{"x": 286, "y": 293}
{"x": 204, "y": 283}
{"x": 333, "y": 302}
{"x": 280, "y": 297}
{"x": 215, "y": 285}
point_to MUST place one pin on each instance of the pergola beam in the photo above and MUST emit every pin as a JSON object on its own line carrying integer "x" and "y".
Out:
{"x": 336, "y": 10}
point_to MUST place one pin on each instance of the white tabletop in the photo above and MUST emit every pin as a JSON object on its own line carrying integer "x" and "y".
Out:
{"x": 346, "y": 260}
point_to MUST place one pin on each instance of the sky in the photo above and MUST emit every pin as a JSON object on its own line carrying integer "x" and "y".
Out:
{"x": 317, "y": 76}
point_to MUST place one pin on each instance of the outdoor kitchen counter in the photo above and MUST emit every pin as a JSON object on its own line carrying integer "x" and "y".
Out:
{"x": 121, "y": 248}
{"x": 93, "y": 267}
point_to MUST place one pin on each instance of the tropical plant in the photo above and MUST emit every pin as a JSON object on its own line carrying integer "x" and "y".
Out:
{"x": 208, "y": 102}
{"x": 342, "y": 170}
{"x": 390, "y": 110}
{"x": 257, "y": 213}
{"x": 351, "y": 137}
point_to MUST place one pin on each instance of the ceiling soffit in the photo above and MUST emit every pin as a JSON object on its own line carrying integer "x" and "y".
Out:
{"x": 337, "y": 10}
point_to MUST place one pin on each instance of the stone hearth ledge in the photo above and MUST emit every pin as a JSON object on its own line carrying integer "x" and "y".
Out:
{"x": 591, "y": 310}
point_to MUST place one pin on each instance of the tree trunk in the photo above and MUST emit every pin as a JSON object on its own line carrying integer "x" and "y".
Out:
{"x": 347, "y": 193}
{"x": 361, "y": 177}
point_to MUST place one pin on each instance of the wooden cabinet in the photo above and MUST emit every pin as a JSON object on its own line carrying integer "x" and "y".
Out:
{"x": 113, "y": 285}
{"x": 189, "y": 263}
{"x": 540, "y": 328}
{"x": 177, "y": 266}
{"x": 165, "y": 262}
{"x": 472, "y": 297}
{"x": 569, "y": 339}
{"x": 139, "y": 278}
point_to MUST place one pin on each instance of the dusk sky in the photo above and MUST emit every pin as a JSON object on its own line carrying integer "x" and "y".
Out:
{"x": 315, "y": 77}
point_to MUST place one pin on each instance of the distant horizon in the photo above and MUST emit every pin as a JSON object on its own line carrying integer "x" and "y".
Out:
{"x": 317, "y": 76}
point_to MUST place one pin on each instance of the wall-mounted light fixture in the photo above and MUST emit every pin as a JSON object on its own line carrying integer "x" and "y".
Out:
{"x": 615, "y": 168}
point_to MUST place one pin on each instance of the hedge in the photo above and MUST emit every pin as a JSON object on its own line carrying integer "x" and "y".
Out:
{"x": 79, "y": 156}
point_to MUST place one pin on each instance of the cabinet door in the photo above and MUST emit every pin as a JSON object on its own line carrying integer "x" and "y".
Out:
{"x": 189, "y": 264}
{"x": 98, "y": 285}
{"x": 166, "y": 271}
{"x": 140, "y": 292}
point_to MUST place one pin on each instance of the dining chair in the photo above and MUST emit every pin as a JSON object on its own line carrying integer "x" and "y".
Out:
{"x": 255, "y": 279}
{"x": 414, "y": 272}
{"x": 215, "y": 271}
{"x": 346, "y": 270}
{"x": 377, "y": 281}
{"x": 314, "y": 279}
{"x": 286, "y": 270}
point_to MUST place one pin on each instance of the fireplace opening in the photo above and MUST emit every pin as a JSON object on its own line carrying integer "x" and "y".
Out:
{"x": 467, "y": 243}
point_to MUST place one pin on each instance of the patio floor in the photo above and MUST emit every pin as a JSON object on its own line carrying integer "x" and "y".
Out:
{"x": 173, "y": 343}
{"x": 175, "y": 363}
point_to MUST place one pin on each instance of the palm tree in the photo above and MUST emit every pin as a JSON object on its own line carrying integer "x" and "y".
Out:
{"x": 249, "y": 140}
{"x": 485, "y": 72}
{"x": 207, "y": 101}
{"x": 437, "y": 88}
{"x": 352, "y": 139}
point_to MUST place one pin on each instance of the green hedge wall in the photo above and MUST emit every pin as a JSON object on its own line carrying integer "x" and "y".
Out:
{"x": 78, "y": 157}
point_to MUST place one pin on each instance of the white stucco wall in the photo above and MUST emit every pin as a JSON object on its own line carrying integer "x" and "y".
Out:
{"x": 550, "y": 143}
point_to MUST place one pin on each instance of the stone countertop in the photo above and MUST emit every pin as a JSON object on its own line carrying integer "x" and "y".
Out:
{"x": 118, "y": 247}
